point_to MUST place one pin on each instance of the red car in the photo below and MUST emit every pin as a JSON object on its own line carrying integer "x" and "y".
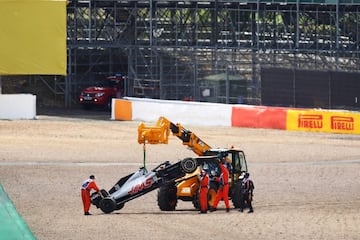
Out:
{"x": 102, "y": 93}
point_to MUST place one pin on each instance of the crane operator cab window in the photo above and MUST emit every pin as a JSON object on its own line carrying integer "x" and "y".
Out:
{"x": 239, "y": 161}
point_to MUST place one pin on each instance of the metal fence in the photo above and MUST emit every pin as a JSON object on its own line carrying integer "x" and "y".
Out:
{"x": 314, "y": 89}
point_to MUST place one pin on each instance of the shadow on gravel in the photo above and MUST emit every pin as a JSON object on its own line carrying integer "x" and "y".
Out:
{"x": 180, "y": 211}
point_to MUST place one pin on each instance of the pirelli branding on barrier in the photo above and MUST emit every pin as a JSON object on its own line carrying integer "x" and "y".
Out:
{"x": 342, "y": 123}
{"x": 310, "y": 121}
{"x": 323, "y": 121}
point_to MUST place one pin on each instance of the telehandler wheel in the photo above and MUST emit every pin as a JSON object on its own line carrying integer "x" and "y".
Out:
{"x": 188, "y": 165}
{"x": 236, "y": 195}
{"x": 212, "y": 193}
{"x": 107, "y": 205}
{"x": 196, "y": 201}
{"x": 167, "y": 198}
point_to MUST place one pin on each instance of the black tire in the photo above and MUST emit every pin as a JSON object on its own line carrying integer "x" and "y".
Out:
{"x": 212, "y": 192}
{"x": 120, "y": 206}
{"x": 167, "y": 198}
{"x": 196, "y": 201}
{"x": 236, "y": 195}
{"x": 107, "y": 205}
{"x": 213, "y": 187}
{"x": 188, "y": 165}
{"x": 96, "y": 197}
{"x": 104, "y": 193}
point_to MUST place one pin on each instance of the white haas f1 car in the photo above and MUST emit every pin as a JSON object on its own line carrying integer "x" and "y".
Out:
{"x": 142, "y": 182}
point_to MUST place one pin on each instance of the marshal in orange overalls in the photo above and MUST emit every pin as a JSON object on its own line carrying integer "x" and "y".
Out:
{"x": 204, "y": 187}
{"x": 86, "y": 188}
{"x": 223, "y": 191}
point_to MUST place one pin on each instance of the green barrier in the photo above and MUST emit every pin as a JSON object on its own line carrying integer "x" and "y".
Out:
{"x": 12, "y": 226}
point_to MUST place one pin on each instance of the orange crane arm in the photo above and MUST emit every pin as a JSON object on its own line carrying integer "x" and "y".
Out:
{"x": 160, "y": 134}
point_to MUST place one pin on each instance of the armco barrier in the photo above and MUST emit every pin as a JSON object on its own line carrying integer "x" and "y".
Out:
{"x": 17, "y": 106}
{"x": 213, "y": 114}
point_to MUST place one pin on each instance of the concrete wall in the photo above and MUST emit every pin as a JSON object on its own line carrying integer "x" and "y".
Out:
{"x": 17, "y": 106}
{"x": 186, "y": 113}
{"x": 237, "y": 115}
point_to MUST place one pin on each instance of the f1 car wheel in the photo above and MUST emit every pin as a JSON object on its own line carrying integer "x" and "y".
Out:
{"x": 236, "y": 195}
{"x": 188, "y": 165}
{"x": 120, "y": 206}
{"x": 96, "y": 197}
{"x": 167, "y": 198}
{"x": 107, "y": 205}
{"x": 212, "y": 193}
{"x": 104, "y": 193}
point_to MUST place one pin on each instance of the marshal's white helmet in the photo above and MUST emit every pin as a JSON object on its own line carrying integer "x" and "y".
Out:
{"x": 242, "y": 175}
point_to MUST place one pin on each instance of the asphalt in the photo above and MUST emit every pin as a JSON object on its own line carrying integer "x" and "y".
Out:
{"x": 74, "y": 113}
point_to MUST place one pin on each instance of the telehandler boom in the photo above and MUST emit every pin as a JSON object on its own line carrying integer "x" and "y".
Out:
{"x": 160, "y": 134}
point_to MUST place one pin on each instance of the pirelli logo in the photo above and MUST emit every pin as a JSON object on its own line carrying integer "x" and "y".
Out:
{"x": 323, "y": 121}
{"x": 310, "y": 121}
{"x": 342, "y": 123}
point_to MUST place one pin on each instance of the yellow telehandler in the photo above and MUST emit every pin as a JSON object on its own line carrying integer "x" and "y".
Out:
{"x": 187, "y": 187}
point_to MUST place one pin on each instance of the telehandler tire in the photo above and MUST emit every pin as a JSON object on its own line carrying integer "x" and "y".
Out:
{"x": 211, "y": 196}
{"x": 196, "y": 201}
{"x": 213, "y": 187}
{"x": 236, "y": 195}
{"x": 167, "y": 198}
